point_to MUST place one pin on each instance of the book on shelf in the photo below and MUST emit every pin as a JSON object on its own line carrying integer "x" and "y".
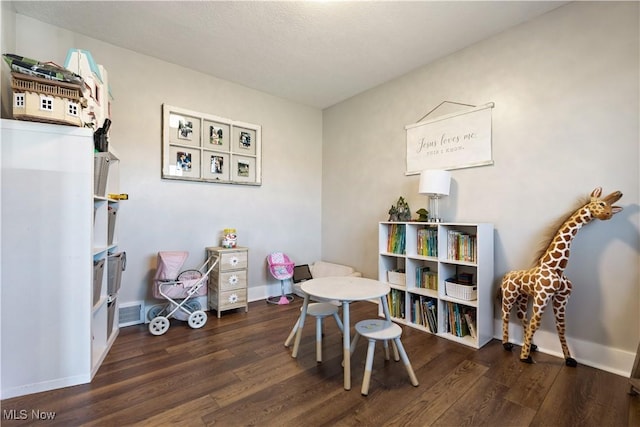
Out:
{"x": 428, "y": 241}
{"x": 395, "y": 301}
{"x": 396, "y": 239}
{"x": 471, "y": 323}
{"x": 424, "y": 312}
{"x": 460, "y": 320}
{"x": 431, "y": 310}
{"x": 461, "y": 246}
{"x": 426, "y": 279}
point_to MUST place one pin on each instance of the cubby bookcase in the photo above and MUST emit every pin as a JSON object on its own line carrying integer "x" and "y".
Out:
{"x": 107, "y": 260}
{"x": 441, "y": 277}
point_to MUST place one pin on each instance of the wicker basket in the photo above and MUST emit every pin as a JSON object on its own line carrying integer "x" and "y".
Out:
{"x": 463, "y": 292}
{"x": 396, "y": 278}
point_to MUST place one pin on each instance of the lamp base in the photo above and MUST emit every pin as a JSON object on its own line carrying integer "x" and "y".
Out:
{"x": 434, "y": 213}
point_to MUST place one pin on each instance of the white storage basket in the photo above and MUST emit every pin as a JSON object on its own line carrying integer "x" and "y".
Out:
{"x": 463, "y": 292}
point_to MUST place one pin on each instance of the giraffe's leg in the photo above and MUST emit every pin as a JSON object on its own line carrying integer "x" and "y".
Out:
{"x": 507, "y": 303}
{"x": 539, "y": 304}
{"x": 522, "y": 303}
{"x": 559, "y": 306}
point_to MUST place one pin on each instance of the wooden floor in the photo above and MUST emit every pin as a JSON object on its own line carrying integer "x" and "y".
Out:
{"x": 235, "y": 371}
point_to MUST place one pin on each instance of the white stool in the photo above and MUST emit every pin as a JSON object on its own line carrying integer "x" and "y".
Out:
{"x": 320, "y": 310}
{"x": 381, "y": 330}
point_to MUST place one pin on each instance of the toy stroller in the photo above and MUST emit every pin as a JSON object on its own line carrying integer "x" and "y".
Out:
{"x": 178, "y": 289}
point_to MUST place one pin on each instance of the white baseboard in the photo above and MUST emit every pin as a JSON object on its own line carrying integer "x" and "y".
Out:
{"x": 587, "y": 353}
{"x": 44, "y": 386}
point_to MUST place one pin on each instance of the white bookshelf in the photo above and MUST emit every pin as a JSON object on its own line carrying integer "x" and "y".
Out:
{"x": 442, "y": 265}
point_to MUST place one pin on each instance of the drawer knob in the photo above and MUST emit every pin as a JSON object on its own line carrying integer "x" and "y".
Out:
{"x": 233, "y": 279}
{"x": 234, "y": 260}
{"x": 233, "y": 298}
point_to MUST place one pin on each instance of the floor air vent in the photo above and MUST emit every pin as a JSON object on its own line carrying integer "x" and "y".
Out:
{"x": 131, "y": 313}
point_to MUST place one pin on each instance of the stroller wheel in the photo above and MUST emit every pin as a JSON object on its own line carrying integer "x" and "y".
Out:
{"x": 155, "y": 311}
{"x": 159, "y": 325}
{"x": 197, "y": 319}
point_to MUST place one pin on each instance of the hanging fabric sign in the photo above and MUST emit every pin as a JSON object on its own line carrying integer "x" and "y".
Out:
{"x": 453, "y": 141}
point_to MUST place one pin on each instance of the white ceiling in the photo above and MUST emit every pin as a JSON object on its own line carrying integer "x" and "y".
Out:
{"x": 316, "y": 53}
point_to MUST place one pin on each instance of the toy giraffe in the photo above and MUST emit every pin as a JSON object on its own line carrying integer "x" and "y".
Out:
{"x": 546, "y": 282}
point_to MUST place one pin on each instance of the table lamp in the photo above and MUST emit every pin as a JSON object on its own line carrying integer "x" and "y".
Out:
{"x": 434, "y": 183}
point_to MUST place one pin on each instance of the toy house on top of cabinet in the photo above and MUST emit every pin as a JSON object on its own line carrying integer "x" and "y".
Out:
{"x": 96, "y": 86}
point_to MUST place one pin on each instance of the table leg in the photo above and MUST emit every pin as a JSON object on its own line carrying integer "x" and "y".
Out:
{"x": 346, "y": 345}
{"x": 385, "y": 308}
{"x": 303, "y": 316}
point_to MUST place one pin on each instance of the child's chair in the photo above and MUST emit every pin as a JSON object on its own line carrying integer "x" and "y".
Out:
{"x": 281, "y": 268}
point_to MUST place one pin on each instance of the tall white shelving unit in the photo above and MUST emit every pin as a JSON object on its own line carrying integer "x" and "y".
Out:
{"x": 107, "y": 260}
{"x": 52, "y": 335}
{"x": 411, "y": 256}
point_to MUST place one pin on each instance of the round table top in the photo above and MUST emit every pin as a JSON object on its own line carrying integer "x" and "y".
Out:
{"x": 345, "y": 288}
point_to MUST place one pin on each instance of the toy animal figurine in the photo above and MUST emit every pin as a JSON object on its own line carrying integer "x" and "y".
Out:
{"x": 423, "y": 215}
{"x": 400, "y": 212}
{"x": 546, "y": 283}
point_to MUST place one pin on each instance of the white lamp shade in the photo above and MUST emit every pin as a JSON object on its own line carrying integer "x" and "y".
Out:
{"x": 435, "y": 181}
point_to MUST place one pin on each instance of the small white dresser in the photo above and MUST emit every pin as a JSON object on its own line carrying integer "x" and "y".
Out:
{"x": 228, "y": 280}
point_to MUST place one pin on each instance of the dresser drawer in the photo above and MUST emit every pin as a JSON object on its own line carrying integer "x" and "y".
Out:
{"x": 232, "y": 280}
{"x": 233, "y": 260}
{"x": 233, "y": 299}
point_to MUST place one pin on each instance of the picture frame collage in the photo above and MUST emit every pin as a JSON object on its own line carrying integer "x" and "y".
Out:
{"x": 207, "y": 148}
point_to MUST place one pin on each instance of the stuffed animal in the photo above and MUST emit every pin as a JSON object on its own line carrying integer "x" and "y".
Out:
{"x": 546, "y": 283}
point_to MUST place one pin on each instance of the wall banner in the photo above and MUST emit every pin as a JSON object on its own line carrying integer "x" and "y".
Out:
{"x": 453, "y": 141}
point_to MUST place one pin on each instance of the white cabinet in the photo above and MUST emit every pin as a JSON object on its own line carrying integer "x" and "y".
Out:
{"x": 50, "y": 329}
{"x": 418, "y": 259}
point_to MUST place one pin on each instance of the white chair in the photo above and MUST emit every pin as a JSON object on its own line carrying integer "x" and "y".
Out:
{"x": 319, "y": 310}
{"x": 381, "y": 330}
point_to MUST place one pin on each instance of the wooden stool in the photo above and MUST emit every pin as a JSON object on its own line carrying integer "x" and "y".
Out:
{"x": 320, "y": 310}
{"x": 381, "y": 330}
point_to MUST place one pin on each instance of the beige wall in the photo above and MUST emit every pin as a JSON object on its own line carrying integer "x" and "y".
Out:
{"x": 281, "y": 215}
{"x": 565, "y": 88}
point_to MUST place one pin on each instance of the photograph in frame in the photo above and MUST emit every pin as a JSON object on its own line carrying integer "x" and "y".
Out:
{"x": 184, "y": 163}
{"x": 216, "y": 135}
{"x": 244, "y": 169}
{"x": 244, "y": 141}
{"x": 184, "y": 130}
{"x": 216, "y": 166}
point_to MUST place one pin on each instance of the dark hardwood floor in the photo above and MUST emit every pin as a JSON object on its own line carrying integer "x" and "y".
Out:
{"x": 235, "y": 371}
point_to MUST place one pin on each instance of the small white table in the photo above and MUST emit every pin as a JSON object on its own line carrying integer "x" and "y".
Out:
{"x": 344, "y": 289}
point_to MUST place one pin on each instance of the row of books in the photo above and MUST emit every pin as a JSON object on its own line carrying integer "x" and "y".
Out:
{"x": 460, "y": 320}
{"x": 428, "y": 241}
{"x": 425, "y": 312}
{"x": 396, "y": 239}
{"x": 427, "y": 279}
{"x": 461, "y": 246}
{"x": 395, "y": 300}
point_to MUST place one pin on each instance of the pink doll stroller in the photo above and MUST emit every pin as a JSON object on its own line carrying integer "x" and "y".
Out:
{"x": 281, "y": 268}
{"x": 179, "y": 289}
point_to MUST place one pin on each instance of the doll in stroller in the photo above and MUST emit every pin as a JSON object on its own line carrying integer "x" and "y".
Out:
{"x": 180, "y": 289}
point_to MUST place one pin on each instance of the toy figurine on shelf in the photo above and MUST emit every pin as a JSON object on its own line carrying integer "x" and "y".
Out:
{"x": 423, "y": 215}
{"x": 400, "y": 212}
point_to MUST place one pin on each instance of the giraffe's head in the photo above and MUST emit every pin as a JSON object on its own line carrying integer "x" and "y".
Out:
{"x": 602, "y": 208}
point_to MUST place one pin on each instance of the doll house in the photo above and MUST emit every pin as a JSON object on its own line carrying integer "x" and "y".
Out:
{"x": 96, "y": 86}
{"x": 42, "y": 100}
